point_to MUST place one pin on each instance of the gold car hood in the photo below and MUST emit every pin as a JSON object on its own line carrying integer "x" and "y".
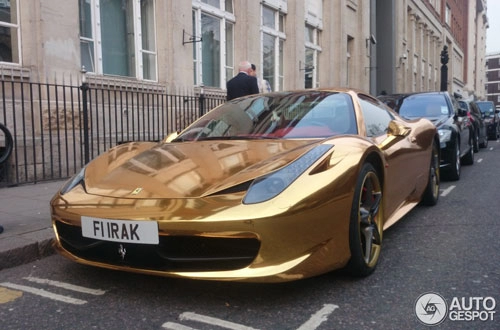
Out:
{"x": 188, "y": 169}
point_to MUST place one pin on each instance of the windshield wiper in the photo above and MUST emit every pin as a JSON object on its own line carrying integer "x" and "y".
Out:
{"x": 237, "y": 137}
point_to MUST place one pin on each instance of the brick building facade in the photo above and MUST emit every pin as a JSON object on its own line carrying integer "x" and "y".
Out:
{"x": 493, "y": 78}
{"x": 390, "y": 45}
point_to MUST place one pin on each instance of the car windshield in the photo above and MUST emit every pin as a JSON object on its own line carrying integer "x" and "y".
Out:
{"x": 464, "y": 105}
{"x": 486, "y": 108}
{"x": 427, "y": 106}
{"x": 308, "y": 114}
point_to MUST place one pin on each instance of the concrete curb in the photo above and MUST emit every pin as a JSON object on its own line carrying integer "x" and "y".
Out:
{"x": 27, "y": 248}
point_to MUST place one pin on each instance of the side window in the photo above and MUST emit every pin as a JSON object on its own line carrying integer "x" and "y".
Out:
{"x": 376, "y": 115}
{"x": 455, "y": 104}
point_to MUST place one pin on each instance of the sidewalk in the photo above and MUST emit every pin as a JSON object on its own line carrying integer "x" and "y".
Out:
{"x": 25, "y": 217}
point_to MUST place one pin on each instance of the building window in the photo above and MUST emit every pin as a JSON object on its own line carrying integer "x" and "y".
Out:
{"x": 349, "y": 55}
{"x": 9, "y": 32}
{"x": 313, "y": 26}
{"x": 311, "y": 57}
{"x": 438, "y": 7}
{"x": 273, "y": 37}
{"x": 121, "y": 35}
{"x": 447, "y": 15}
{"x": 213, "y": 58}
{"x": 228, "y": 4}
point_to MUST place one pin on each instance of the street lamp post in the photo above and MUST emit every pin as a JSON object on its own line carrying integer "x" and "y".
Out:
{"x": 444, "y": 69}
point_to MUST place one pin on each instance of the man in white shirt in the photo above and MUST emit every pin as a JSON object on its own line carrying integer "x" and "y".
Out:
{"x": 264, "y": 86}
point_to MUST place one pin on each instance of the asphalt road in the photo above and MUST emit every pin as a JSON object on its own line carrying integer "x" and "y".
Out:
{"x": 450, "y": 250}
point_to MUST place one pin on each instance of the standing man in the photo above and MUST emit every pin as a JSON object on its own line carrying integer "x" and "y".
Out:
{"x": 243, "y": 83}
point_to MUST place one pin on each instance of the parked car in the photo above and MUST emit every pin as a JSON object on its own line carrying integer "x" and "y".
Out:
{"x": 479, "y": 128}
{"x": 454, "y": 127}
{"x": 269, "y": 187}
{"x": 491, "y": 118}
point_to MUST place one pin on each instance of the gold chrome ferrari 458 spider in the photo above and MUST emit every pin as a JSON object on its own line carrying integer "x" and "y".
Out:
{"x": 265, "y": 188}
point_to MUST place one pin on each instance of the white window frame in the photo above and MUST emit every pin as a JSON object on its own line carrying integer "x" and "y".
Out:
{"x": 447, "y": 15}
{"x": 279, "y": 7}
{"x": 17, "y": 27}
{"x": 314, "y": 21}
{"x": 276, "y": 4}
{"x": 225, "y": 63}
{"x": 316, "y": 49}
{"x": 138, "y": 51}
{"x": 438, "y": 6}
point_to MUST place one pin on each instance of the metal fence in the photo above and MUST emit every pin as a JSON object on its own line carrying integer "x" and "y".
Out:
{"x": 57, "y": 128}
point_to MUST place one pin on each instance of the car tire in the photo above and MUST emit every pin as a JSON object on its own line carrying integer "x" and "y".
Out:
{"x": 366, "y": 223}
{"x": 484, "y": 144}
{"x": 475, "y": 141}
{"x": 456, "y": 165}
{"x": 431, "y": 193}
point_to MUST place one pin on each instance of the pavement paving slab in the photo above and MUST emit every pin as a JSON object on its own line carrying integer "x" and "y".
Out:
{"x": 27, "y": 227}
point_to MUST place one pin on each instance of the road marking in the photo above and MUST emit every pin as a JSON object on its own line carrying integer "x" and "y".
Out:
{"x": 7, "y": 295}
{"x": 176, "y": 326}
{"x": 479, "y": 160}
{"x": 319, "y": 317}
{"x": 44, "y": 293}
{"x": 213, "y": 321}
{"x": 72, "y": 287}
{"x": 447, "y": 191}
{"x": 313, "y": 323}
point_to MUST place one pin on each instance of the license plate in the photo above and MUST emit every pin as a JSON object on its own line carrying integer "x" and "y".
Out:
{"x": 124, "y": 231}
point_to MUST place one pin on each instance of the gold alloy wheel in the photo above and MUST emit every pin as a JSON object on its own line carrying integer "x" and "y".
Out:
{"x": 369, "y": 223}
{"x": 435, "y": 173}
{"x": 365, "y": 230}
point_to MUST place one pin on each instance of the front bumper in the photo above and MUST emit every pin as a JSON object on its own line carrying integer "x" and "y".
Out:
{"x": 447, "y": 159}
{"x": 492, "y": 130}
{"x": 220, "y": 240}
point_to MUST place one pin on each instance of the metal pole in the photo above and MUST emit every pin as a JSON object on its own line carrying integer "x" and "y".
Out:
{"x": 202, "y": 101}
{"x": 85, "y": 88}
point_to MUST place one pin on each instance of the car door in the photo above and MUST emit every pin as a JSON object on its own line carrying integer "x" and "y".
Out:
{"x": 462, "y": 123}
{"x": 406, "y": 160}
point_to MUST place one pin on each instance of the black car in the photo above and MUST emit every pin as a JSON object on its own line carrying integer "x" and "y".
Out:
{"x": 454, "y": 127}
{"x": 479, "y": 127}
{"x": 491, "y": 118}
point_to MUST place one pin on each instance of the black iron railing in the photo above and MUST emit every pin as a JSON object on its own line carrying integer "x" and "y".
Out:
{"x": 57, "y": 128}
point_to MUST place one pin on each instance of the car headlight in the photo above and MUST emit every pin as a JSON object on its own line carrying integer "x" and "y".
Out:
{"x": 74, "y": 181}
{"x": 444, "y": 135}
{"x": 271, "y": 185}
